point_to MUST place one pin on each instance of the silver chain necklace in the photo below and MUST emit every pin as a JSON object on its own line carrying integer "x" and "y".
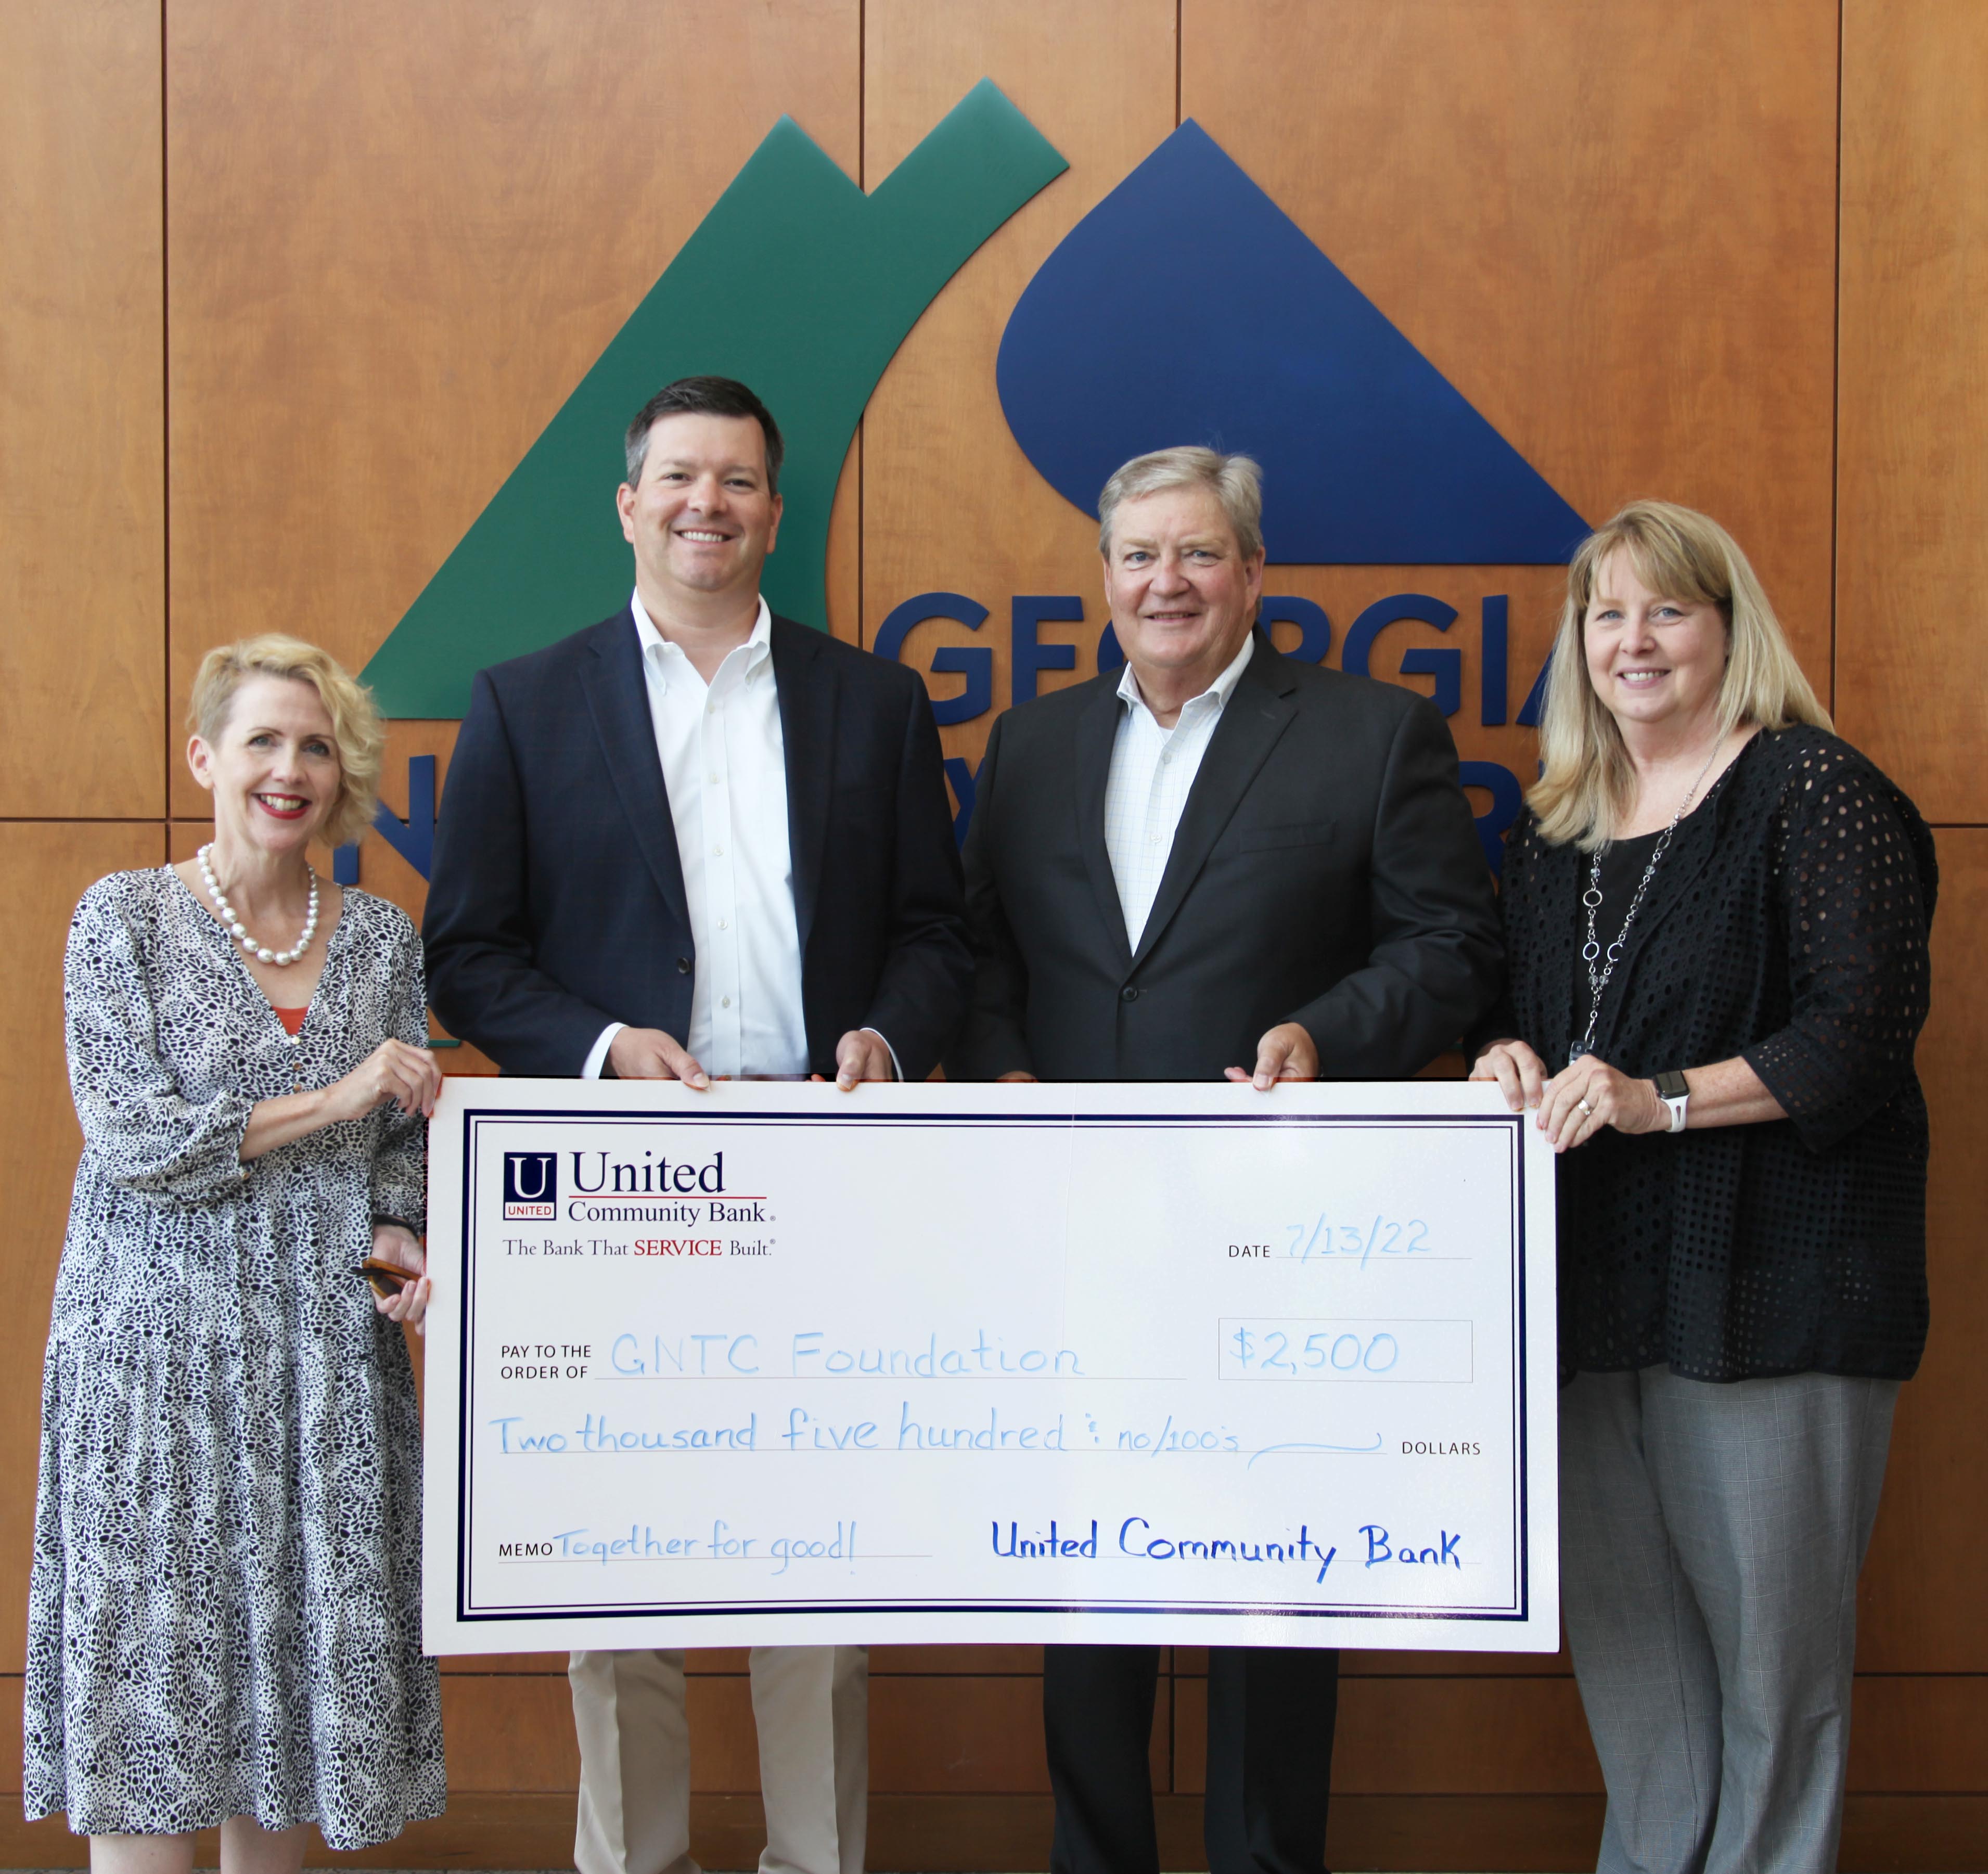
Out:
{"x": 1591, "y": 951}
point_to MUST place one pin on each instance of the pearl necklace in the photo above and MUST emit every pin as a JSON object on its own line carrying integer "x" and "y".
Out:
{"x": 238, "y": 929}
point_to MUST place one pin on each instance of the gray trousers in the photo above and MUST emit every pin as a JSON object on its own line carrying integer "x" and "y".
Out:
{"x": 811, "y": 1707}
{"x": 1710, "y": 1540}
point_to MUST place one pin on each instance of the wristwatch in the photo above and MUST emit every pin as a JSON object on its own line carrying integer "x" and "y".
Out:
{"x": 1671, "y": 1089}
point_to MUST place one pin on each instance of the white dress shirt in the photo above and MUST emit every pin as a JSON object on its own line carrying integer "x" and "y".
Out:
{"x": 1152, "y": 771}
{"x": 725, "y": 767}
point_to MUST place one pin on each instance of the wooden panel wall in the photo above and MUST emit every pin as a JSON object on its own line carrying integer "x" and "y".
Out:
{"x": 1623, "y": 291}
{"x": 82, "y": 436}
{"x": 1100, "y": 86}
{"x": 81, "y": 563}
{"x": 399, "y": 236}
{"x": 303, "y": 280}
{"x": 1912, "y": 674}
{"x": 1911, "y": 677}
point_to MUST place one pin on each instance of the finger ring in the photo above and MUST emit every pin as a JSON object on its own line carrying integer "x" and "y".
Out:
{"x": 1586, "y": 1109}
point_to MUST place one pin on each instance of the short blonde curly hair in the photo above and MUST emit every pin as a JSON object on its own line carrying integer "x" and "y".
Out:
{"x": 356, "y": 724}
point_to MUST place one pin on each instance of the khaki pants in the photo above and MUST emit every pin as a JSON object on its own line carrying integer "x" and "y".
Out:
{"x": 811, "y": 1706}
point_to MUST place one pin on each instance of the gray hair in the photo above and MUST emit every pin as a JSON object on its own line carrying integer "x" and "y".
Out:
{"x": 1234, "y": 480}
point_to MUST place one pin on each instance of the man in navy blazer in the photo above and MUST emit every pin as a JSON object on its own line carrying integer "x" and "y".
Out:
{"x": 698, "y": 840}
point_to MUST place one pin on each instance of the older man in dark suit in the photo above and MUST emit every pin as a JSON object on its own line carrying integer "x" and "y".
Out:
{"x": 697, "y": 840}
{"x": 1219, "y": 861}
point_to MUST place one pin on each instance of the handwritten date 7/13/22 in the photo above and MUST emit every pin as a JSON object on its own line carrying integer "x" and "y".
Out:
{"x": 1380, "y": 1236}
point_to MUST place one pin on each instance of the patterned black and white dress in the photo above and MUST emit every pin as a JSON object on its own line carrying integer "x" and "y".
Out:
{"x": 224, "y": 1613}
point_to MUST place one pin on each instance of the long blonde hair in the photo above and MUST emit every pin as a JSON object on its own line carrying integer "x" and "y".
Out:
{"x": 355, "y": 726}
{"x": 1586, "y": 781}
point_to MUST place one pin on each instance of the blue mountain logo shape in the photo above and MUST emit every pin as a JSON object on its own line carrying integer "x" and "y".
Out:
{"x": 1371, "y": 455}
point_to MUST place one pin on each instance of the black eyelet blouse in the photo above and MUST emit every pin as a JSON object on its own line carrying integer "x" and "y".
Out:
{"x": 1787, "y": 923}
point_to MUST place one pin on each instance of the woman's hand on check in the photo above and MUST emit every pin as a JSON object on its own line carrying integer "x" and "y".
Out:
{"x": 1580, "y": 1100}
{"x": 1520, "y": 1074}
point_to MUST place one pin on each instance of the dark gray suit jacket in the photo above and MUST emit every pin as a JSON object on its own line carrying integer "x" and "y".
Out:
{"x": 1326, "y": 872}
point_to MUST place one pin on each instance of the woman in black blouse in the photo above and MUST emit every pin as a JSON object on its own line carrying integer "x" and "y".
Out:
{"x": 1717, "y": 917}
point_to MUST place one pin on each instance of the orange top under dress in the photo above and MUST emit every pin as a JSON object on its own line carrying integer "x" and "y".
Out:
{"x": 292, "y": 1019}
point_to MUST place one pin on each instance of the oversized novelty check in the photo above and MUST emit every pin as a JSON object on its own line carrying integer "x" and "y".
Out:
{"x": 1177, "y": 1364}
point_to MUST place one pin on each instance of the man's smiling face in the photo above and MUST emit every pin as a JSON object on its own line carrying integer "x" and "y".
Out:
{"x": 1181, "y": 595}
{"x": 703, "y": 519}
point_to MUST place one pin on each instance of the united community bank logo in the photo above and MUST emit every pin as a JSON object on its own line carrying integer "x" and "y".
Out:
{"x": 685, "y": 1186}
{"x": 803, "y": 286}
{"x": 531, "y": 1186}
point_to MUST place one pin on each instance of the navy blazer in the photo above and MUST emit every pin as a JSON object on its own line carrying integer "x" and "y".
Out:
{"x": 1326, "y": 872}
{"x": 556, "y": 904}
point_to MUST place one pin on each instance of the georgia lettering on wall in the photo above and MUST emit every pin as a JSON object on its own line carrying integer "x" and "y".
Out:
{"x": 1372, "y": 457}
{"x": 1300, "y": 628}
{"x": 1307, "y": 634}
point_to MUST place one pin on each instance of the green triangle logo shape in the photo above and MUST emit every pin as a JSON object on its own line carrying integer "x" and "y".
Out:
{"x": 797, "y": 283}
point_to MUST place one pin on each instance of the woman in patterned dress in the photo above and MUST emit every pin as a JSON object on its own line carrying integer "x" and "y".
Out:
{"x": 224, "y": 1619}
{"x": 1716, "y": 915}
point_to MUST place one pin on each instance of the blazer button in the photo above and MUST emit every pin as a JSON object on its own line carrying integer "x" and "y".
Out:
{"x": 1128, "y": 993}
{"x": 683, "y": 965}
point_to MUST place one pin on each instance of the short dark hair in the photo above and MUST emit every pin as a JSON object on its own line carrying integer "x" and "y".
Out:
{"x": 711, "y": 396}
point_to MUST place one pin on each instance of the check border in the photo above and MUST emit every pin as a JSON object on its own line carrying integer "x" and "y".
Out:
{"x": 1515, "y": 1613}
